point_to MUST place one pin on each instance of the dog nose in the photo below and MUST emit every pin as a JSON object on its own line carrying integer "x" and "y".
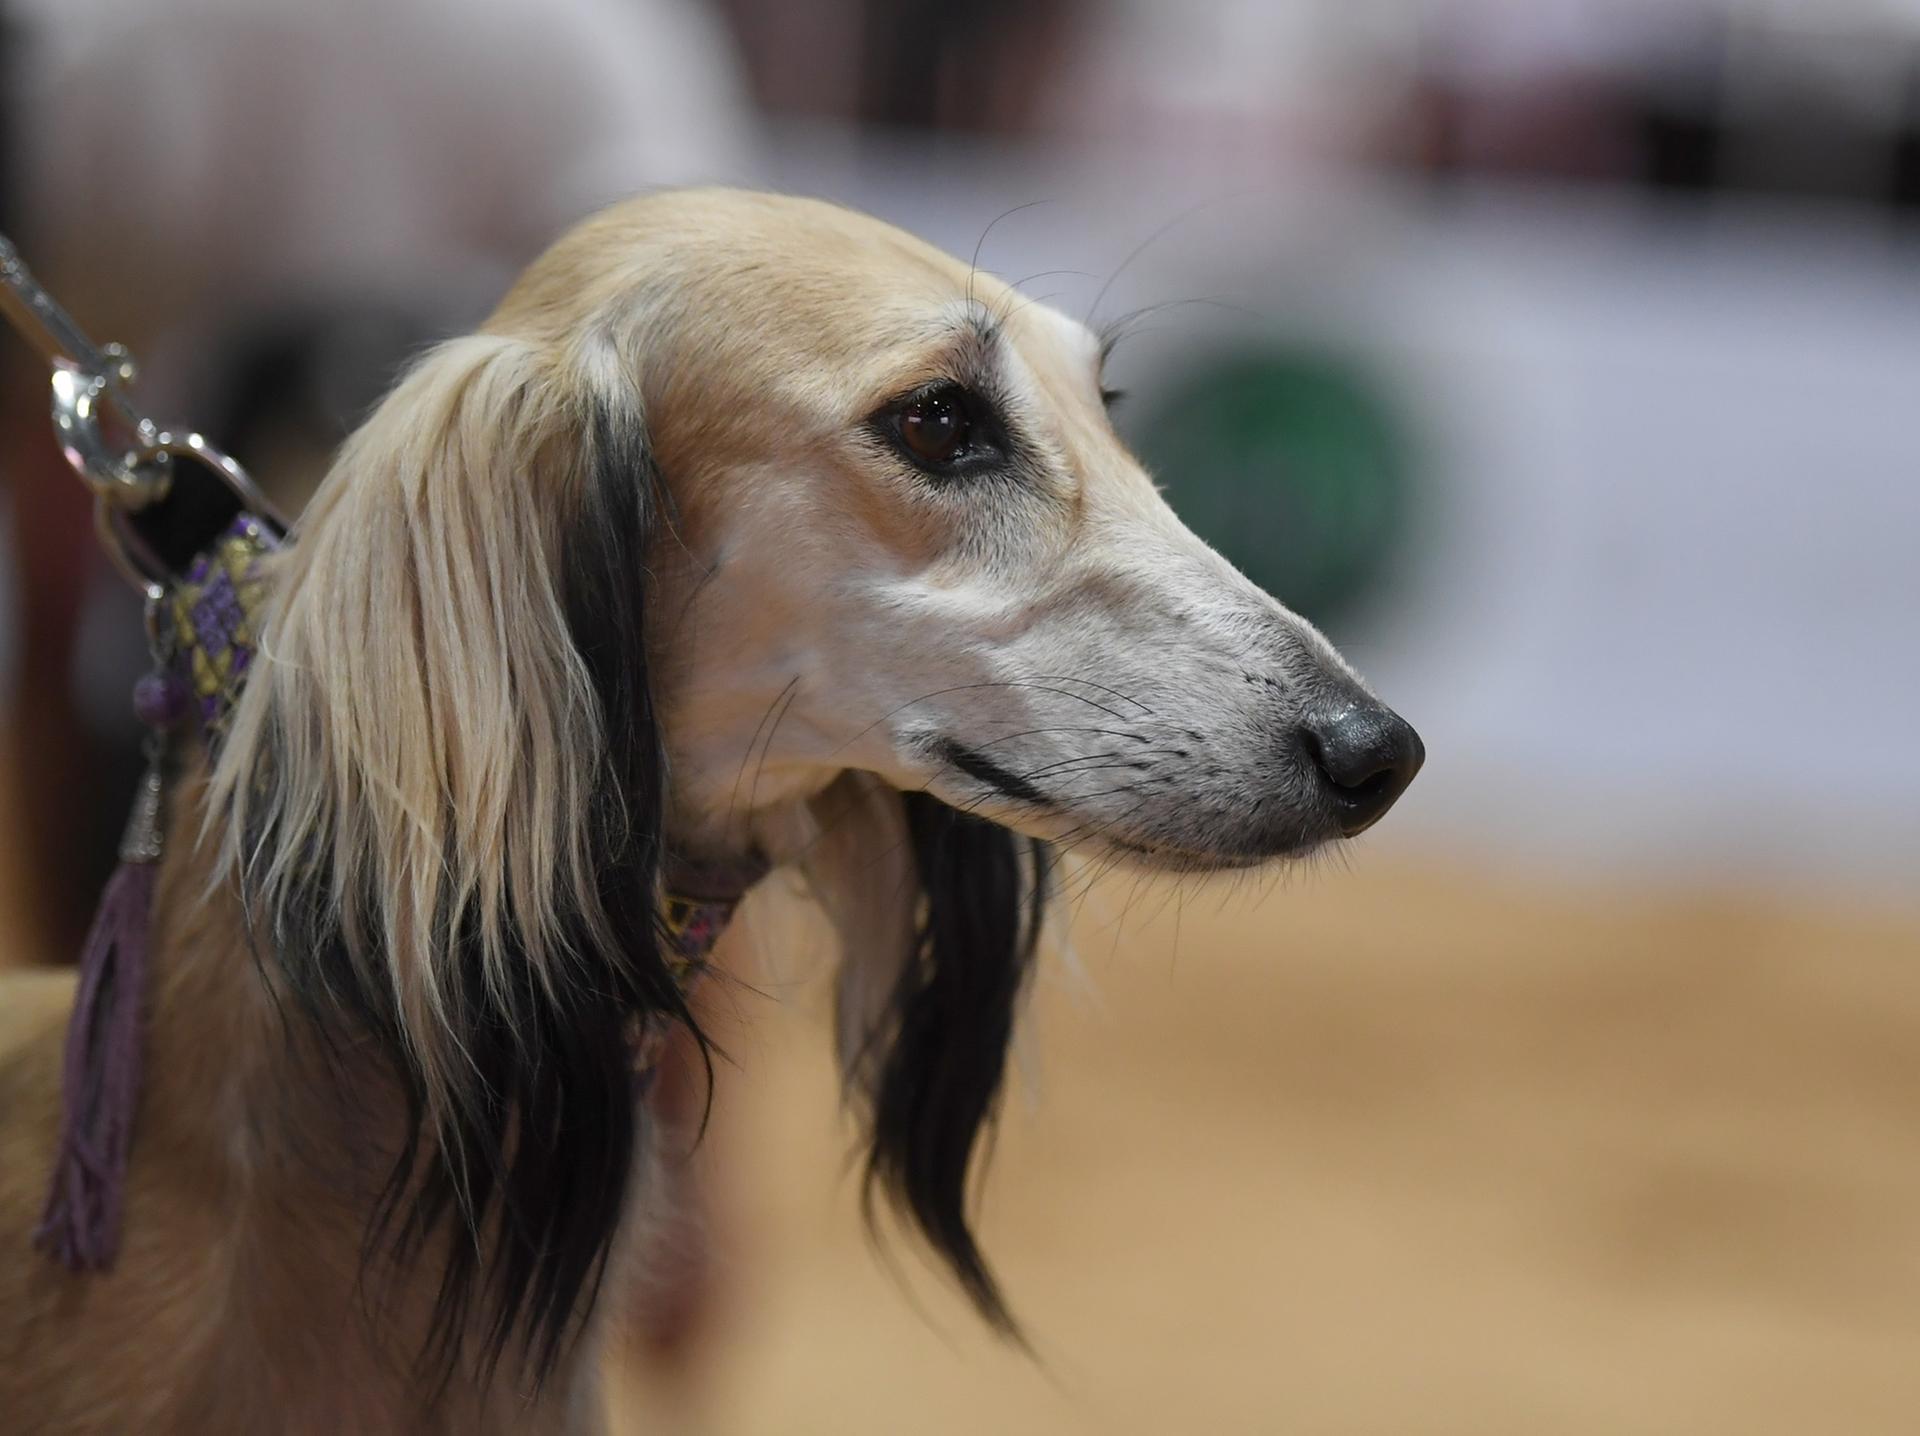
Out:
{"x": 1368, "y": 755}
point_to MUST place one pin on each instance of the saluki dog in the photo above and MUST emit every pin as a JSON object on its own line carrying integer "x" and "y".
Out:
{"x": 748, "y": 532}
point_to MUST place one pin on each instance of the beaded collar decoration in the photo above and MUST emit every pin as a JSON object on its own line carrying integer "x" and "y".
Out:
{"x": 204, "y": 630}
{"x": 209, "y": 623}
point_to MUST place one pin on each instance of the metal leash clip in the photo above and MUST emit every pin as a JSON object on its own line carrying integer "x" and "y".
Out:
{"x": 121, "y": 454}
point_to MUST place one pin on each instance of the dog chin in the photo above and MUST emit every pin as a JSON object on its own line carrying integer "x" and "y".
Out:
{"x": 1162, "y": 855}
{"x": 1190, "y": 853}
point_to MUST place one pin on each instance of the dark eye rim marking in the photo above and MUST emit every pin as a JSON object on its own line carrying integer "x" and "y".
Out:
{"x": 988, "y": 446}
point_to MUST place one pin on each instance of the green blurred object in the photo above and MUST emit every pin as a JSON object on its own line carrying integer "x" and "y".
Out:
{"x": 1293, "y": 465}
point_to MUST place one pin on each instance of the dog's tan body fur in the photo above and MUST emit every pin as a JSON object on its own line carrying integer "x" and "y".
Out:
{"x": 435, "y": 734}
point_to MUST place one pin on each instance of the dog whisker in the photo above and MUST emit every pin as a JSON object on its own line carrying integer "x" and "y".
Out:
{"x": 1011, "y": 683}
{"x": 791, "y": 691}
{"x": 1158, "y": 234}
{"x": 733, "y": 802}
{"x": 1047, "y": 732}
{"x": 973, "y": 264}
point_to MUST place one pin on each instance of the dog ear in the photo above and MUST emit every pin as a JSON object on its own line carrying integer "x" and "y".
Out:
{"x": 857, "y": 858}
{"x": 940, "y": 915}
{"x": 444, "y": 792}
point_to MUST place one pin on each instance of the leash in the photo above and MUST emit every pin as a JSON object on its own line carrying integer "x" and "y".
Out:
{"x": 121, "y": 455}
{"x": 197, "y": 567}
{"x": 185, "y": 525}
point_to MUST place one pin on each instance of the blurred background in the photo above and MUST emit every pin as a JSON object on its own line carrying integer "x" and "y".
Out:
{"x": 1560, "y": 357}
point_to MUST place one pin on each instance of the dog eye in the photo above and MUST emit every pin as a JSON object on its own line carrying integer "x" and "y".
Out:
{"x": 936, "y": 427}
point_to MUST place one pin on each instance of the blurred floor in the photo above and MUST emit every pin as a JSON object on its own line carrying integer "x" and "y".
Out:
{"x": 1396, "y": 1151}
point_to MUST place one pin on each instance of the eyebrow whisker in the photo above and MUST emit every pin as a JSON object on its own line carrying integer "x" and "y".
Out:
{"x": 1125, "y": 326}
{"x": 973, "y": 264}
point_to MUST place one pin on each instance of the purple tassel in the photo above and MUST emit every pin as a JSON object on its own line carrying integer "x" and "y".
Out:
{"x": 101, "y": 1081}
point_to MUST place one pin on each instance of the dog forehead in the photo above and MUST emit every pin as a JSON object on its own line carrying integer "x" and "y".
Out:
{"x": 795, "y": 252}
{"x": 799, "y": 274}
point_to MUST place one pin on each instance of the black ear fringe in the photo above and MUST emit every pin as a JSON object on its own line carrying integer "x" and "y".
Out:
{"x": 559, "y": 1141}
{"x": 951, "y": 1025}
{"x": 523, "y": 1185}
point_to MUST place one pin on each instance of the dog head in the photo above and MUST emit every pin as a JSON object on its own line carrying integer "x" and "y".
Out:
{"x": 909, "y": 543}
{"x": 747, "y": 522}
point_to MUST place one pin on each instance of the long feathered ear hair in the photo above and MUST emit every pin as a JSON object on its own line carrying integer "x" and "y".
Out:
{"x": 443, "y": 791}
{"x": 940, "y": 915}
